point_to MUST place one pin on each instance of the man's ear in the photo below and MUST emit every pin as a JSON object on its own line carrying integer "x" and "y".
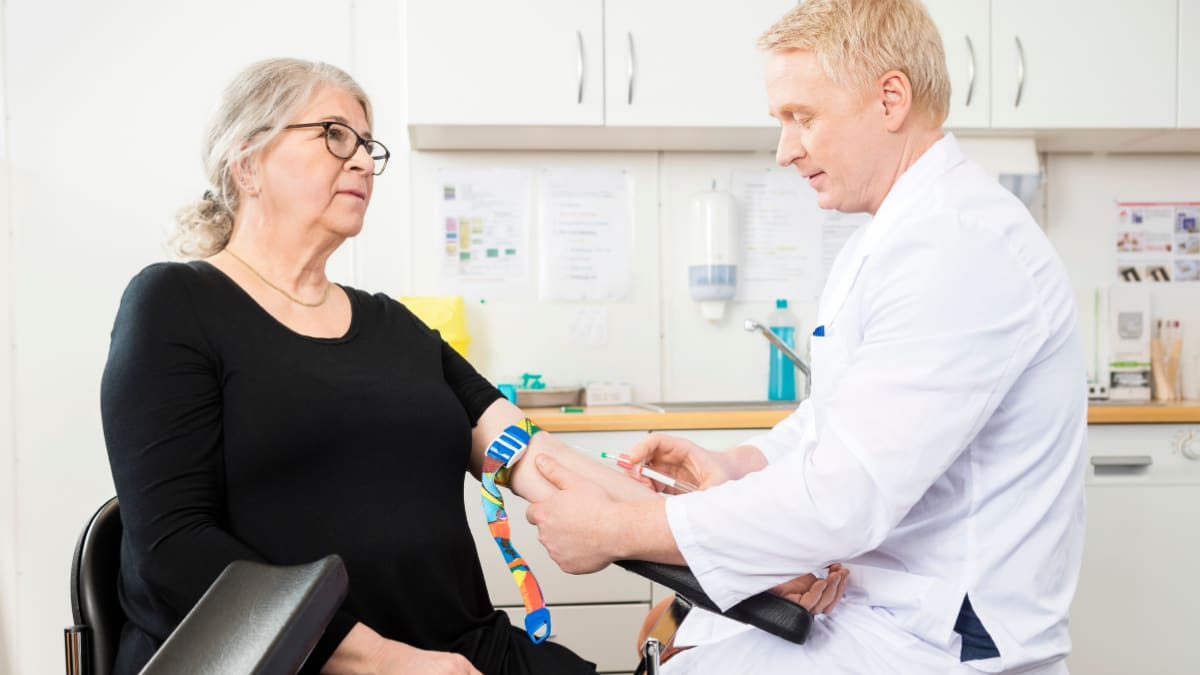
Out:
{"x": 896, "y": 97}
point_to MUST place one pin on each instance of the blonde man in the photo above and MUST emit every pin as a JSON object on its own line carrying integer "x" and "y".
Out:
{"x": 941, "y": 455}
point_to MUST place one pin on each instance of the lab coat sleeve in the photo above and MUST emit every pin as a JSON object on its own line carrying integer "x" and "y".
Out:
{"x": 949, "y": 320}
{"x": 787, "y": 436}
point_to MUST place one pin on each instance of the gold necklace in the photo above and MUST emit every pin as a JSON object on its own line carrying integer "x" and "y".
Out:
{"x": 289, "y": 296}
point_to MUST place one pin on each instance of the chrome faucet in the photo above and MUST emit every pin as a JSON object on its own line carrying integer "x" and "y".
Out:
{"x": 752, "y": 325}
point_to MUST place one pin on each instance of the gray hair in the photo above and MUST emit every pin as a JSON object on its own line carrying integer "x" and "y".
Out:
{"x": 254, "y": 109}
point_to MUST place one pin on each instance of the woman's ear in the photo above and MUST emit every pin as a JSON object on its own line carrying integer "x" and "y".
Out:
{"x": 244, "y": 175}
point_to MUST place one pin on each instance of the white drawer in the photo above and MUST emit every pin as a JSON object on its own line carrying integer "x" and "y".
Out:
{"x": 602, "y": 634}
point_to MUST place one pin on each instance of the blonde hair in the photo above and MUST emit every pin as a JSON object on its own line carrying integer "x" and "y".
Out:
{"x": 856, "y": 41}
{"x": 253, "y": 110}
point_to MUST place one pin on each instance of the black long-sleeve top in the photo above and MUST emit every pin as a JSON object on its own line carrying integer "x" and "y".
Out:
{"x": 232, "y": 437}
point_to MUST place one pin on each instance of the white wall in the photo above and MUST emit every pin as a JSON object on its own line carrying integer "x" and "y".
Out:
{"x": 8, "y": 478}
{"x": 1081, "y": 193}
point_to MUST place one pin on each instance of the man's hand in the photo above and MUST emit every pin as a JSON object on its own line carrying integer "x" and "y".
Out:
{"x": 683, "y": 459}
{"x": 818, "y": 596}
{"x": 573, "y": 522}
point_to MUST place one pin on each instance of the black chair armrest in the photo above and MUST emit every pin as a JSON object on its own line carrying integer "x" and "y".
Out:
{"x": 766, "y": 611}
{"x": 255, "y": 618}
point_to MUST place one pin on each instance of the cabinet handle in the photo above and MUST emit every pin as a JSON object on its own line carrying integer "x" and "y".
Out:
{"x": 1020, "y": 70}
{"x": 579, "y": 65}
{"x": 970, "y": 71}
{"x": 1130, "y": 461}
{"x": 629, "y": 67}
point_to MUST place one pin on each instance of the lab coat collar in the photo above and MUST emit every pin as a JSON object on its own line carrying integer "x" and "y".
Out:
{"x": 942, "y": 156}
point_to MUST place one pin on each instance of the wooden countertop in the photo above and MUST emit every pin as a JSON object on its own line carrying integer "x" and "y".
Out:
{"x": 631, "y": 418}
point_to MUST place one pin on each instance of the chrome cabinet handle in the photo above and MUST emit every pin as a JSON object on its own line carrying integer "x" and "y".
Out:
{"x": 629, "y": 70}
{"x": 970, "y": 71}
{"x": 1130, "y": 461}
{"x": 579, "y": 65}
{"x": 1020, "y": 70}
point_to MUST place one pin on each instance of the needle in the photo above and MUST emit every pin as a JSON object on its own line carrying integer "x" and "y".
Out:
{"x": 642, "y": 470}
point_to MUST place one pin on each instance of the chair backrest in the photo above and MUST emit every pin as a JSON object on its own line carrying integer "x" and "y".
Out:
{"x": 94, "y": 603}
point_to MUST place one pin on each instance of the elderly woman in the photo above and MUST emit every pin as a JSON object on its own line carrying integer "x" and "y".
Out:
{"x": 255, "y": 410}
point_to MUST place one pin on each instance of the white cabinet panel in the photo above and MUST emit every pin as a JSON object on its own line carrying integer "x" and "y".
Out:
{"x": 1134, "y": 611}
{"x": 1084, "y": 64}
{"x": 966, "y": 38}
{"x": 674, "y": 63}
{"x": 527, "y": 62}
{"x": 1189, "y": 63}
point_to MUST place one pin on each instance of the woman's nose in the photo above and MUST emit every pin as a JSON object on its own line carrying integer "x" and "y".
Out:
{"x": 361, "y": 160}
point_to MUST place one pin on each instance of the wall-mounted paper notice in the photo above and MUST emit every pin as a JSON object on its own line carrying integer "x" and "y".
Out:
{"x": 585, "y": 245}
{"x": 788, "y": 242}
{"x": 1158, "y": 241}
{"x": 483, "y": 226}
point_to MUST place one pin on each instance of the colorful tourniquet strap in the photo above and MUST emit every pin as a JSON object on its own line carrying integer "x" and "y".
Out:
{"x": 503, "y": 452}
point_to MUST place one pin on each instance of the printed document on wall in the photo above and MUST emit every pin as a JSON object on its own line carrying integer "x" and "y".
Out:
{"x": 585, "y": 246}
{"x": 788, "y": 242}
{"x": 483, "y": 218}
{"x": 1158, "y": 242}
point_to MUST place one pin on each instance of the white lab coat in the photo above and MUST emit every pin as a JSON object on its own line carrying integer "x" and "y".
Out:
{"x": 941, "y": 454}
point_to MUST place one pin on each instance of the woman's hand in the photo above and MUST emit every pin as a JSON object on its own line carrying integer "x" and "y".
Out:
{"x": 397, "y": 658}
{"x": 365, "y": 652}
{"x": 818, "y": 596}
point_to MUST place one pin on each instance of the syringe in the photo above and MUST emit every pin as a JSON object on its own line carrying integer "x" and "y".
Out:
{"x": 625, "y": 462}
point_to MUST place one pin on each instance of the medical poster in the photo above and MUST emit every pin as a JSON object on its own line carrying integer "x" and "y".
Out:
{"x": 585, "y": 244}
{"x": 483, "y": 222}
{"x": 788, "y": 242}
{"x": 1158, "y": 242}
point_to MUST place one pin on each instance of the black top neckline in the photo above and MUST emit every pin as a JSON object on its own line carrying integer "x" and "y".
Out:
{"x": 351, "y": 331}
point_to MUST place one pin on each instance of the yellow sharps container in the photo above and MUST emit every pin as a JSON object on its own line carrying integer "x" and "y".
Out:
{"x": 444, "y": 313}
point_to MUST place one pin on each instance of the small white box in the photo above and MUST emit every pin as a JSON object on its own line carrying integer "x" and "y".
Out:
{"x": 608, "y": 393}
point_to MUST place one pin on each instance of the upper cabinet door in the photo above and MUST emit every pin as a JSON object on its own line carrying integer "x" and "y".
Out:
{"x": 527, "y": 62}
{"x": 1084, "y": 64}
{"x": 687, "y": 64}
{"x": 1189, "y": 64}
{"x": 966, "y": 36}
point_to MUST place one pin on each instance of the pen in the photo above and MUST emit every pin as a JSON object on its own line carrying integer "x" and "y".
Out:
{"x": 624, "y": 462}
{"x": 570, "y": 409}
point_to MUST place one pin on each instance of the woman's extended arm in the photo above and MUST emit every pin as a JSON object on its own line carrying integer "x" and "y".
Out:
{"x": 526, "y": 480}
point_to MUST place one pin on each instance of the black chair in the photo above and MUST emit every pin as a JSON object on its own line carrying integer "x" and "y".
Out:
{"x": 766, "y": 611}
{"x": 256, "y": 619}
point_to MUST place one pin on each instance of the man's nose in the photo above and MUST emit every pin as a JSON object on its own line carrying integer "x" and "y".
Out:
{"x": 790, "y": 148}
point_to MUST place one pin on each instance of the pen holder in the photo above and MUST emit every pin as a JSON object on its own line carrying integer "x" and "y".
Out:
{"x": 1164, "y": 368}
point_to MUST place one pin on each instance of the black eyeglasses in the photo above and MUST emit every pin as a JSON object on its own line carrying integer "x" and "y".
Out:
{"x": 343, "y": 141}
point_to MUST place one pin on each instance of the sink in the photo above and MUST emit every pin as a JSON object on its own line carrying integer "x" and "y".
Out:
{"x": 716, "y": 406}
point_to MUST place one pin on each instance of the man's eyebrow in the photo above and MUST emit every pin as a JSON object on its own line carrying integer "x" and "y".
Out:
{"x": 343, "y": 120}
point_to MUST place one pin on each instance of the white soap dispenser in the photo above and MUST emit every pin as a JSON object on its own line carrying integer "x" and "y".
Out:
{"x": 713, "y": 245}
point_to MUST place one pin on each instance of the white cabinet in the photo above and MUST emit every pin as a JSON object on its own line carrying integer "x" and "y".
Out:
{"x": 532, "y": 62}
{"x": 592, "y": 74}
{"x": 1084, "y": 64}
{"x": 1135, "y": 608}
{"x": 966, "y": 38}
{"x": 1189, "y": 63}
{"x": 676, "y": 63}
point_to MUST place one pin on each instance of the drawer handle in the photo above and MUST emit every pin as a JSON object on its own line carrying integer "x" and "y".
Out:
{"x": 970, "y": 71}
{"x": 1020, "y": 71}
{"x": 1123, "y": 460}
{"x": 579, "y": 66}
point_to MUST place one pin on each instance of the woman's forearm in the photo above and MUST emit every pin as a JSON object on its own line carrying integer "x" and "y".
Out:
{"x": 527, "y": 482}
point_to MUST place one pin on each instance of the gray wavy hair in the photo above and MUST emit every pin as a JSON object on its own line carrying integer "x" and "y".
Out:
{"x": 254, "y": 108}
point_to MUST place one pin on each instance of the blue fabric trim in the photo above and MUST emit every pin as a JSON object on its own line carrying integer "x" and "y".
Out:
{"x": 976, "y": 641}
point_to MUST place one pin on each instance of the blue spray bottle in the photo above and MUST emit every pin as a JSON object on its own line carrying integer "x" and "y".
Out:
{"x": 782, "y": 384}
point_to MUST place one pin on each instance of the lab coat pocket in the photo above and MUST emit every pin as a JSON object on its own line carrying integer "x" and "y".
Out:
{"x": 829, "y": 361}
